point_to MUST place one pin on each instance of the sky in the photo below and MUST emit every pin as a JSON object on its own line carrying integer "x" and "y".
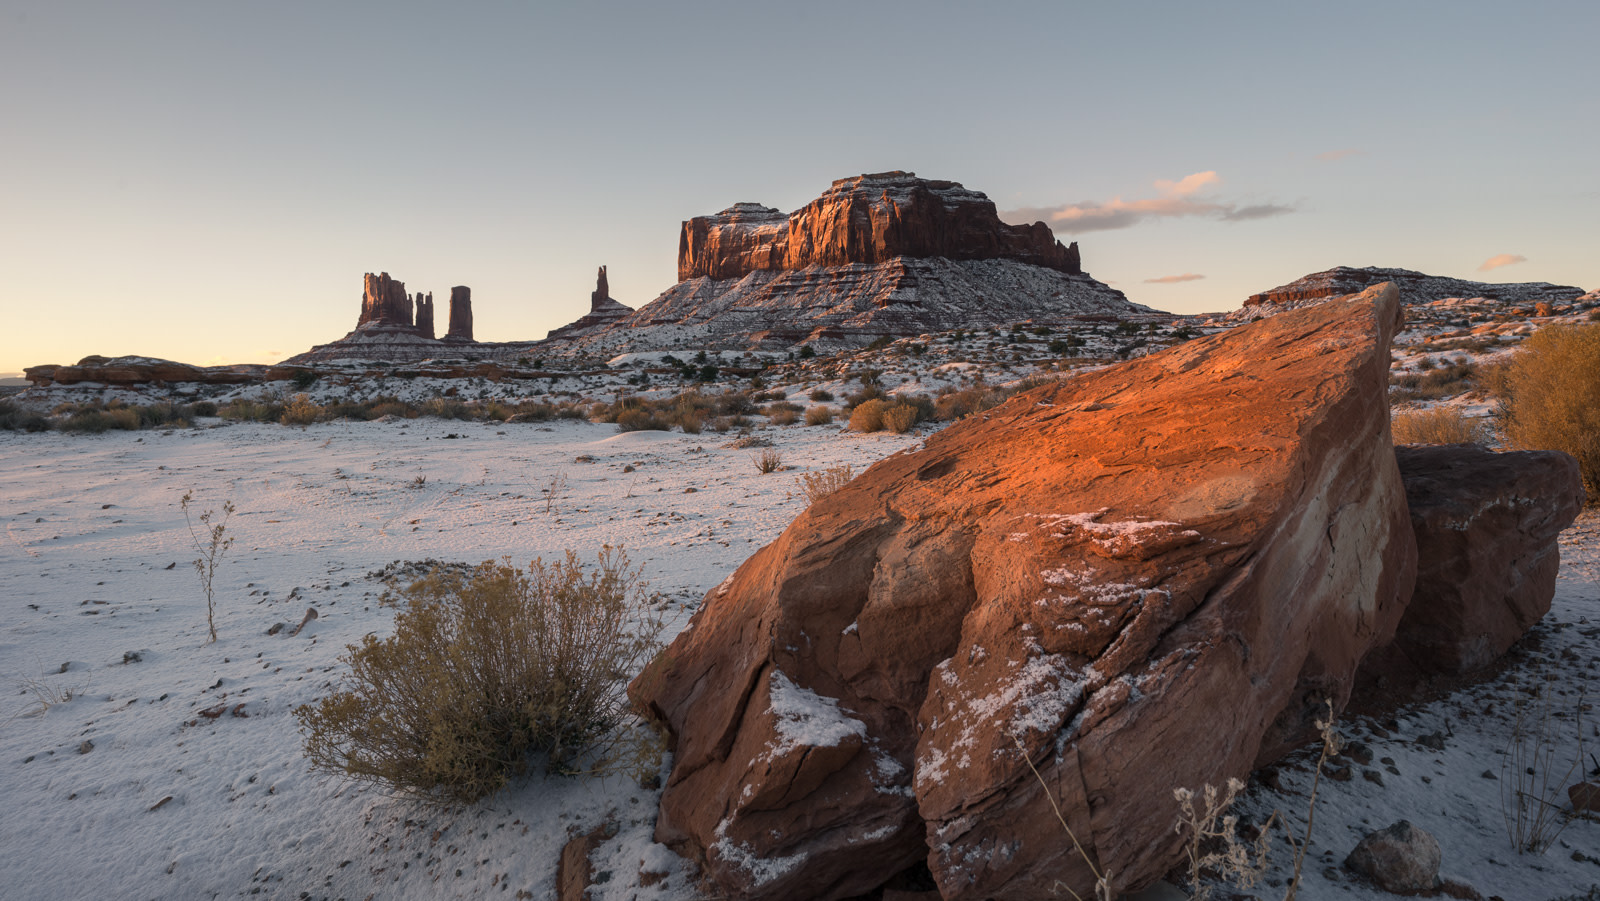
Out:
{"x": 208, "y": 181}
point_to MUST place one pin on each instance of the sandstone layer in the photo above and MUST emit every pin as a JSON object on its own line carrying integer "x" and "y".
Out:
{"x": 1486, "y": 526}
{"x": 1414, "y": 287}
{"x": 1147, "y": 577}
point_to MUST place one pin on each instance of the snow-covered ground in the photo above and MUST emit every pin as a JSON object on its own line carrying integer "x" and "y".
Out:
{"x": 128, "y": 790}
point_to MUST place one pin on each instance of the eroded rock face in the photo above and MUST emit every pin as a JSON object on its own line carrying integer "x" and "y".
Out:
{"x": 1143, "y": 578}
{"x": 384, "y": 301}
{"x": 460, "y": 314}
{"x": 425, "y": 316}
{"x": 1414, "y": 287}
{"x": 129, "y": 371}
{"x": 1487, "y": 556}
{"x": 867, "y": 219}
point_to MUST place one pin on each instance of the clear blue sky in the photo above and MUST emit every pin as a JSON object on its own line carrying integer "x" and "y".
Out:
{"x": 207, "y": 181}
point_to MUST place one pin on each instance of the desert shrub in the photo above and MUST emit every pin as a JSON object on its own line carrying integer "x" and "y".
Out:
{"x": 15, "y": 419}
{"x": 445, "y": 408}
{"x": 203, "y": 408}
{"x": 482, "y": 672}
{"x": 870, "y": 391}
{"x": 1439, "y": 425}
{"x": 767, "y": 460}
{"x": 821, "y": 396}
{"x": 1549, "y": 394}
{"x": 96, "y": 421}
{"x": 639, "y": 420}
{"x": 818, "y": 485}
{"x": 167, "y": 414}
{"x": 301, "y": 410}
{"x": 783, "y": 414}
{"x": 1446, "y": 379}
{"x": 868, "y": 415}
{"x": 956, "y": 404}
{"x": 820, "y": 415}
{"x": 249, "y": 410}
{"x": 899, "y": 418}
{"x": 735, "y": 403}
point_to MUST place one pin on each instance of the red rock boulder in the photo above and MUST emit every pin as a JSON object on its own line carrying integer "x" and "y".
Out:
{"x": 1142, "y": 578}
{"x": 1486, "y": 526}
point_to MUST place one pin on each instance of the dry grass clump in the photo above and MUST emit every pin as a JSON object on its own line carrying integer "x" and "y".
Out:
{"x": 640, "y": 420}
{"x": 302, "y": 411}
{"x": 1446, "y": 379}
{"x": 1439, "y": 425}
{"x": 783, "y": 412}
{"x": 878, "y": 414}
{"x": 818, "y": 485}
{"x": 482, "y": 672}
{"x": 819, "y": 415}
{"x": 767, "y": 460}
{"x": 1549, "y": 393}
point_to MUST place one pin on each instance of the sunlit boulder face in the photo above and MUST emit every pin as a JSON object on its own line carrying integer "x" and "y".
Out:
{"x": 1147, "y": 577}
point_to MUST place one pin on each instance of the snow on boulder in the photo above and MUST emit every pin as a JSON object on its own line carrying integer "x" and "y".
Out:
{"x": 1142, "y": 578}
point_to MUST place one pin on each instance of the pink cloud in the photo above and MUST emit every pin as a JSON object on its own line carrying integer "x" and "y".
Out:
{"x": 1502, "y": 259}
{"x": 1175, "y": 199}
{"x": 1174, "y": 279}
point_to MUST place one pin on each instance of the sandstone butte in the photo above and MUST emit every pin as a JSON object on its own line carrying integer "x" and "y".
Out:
{"x": 867, "y": 219}
{"x": 1147, "y": 577}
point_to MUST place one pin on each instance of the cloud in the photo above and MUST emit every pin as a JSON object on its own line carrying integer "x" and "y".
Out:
{"x": 1175, "y": 199}
{"x": 1174, "y": 279}
{"x": 1332, "y": 155}
{"x": 1257, "y": 211}
{"x": 1502, "y": 259}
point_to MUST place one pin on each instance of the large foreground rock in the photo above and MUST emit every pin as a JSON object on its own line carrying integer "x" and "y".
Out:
{"x": 1487, "y": 556}
{"x": 1146, "y": 577}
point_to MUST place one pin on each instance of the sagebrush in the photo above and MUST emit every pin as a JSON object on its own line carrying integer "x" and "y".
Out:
{"x": 1438, "y": 425}
{"x": 1549, "y": 395}
{"x": 818, "y": 485}
{"x": 485, "y": 671}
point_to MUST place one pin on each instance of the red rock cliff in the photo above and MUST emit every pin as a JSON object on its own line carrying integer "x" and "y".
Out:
{"x": 867, "y": 219}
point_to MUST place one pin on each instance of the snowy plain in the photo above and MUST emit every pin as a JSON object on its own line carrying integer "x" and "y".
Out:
{"x": 128, "y": 790}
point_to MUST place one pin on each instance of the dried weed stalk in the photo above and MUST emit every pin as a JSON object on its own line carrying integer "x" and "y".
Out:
{"x": 1530, "y": 789}
{"x": 213, "y": 547}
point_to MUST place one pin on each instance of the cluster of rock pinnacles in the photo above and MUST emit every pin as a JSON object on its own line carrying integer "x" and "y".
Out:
{"x": 1147, "y": 577}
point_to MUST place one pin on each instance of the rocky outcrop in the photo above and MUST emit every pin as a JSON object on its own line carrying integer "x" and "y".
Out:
{"x": 387, "y": 333}
{"x": 425, "y": 316}
{"x": 837, "y": 307}
{"x": 868, "y": 219}
{"x": 1414, "y": 287}
{"x": 129, "y": 371}
{"x": 384, "y": 301}
{"x": 460, "y": 314}
{"x": 1145, "y": 577}
{"x": 888, "y": 255}
{"x": 602, "y": 312}
{"x": 1486, "y": 526}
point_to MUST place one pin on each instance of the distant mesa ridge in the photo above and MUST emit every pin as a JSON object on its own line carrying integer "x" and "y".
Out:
{"x": 868, "y": 219}
{"x": 1414, "y": 287}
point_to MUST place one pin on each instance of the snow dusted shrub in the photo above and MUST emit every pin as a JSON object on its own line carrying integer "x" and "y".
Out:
{"x": 1440, "y": 425}
{"x": 485, "y": 670}
{"x": 1549, "y": 395}
{"x": 820, "y": 415}
{"x": 818, "y": 485}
